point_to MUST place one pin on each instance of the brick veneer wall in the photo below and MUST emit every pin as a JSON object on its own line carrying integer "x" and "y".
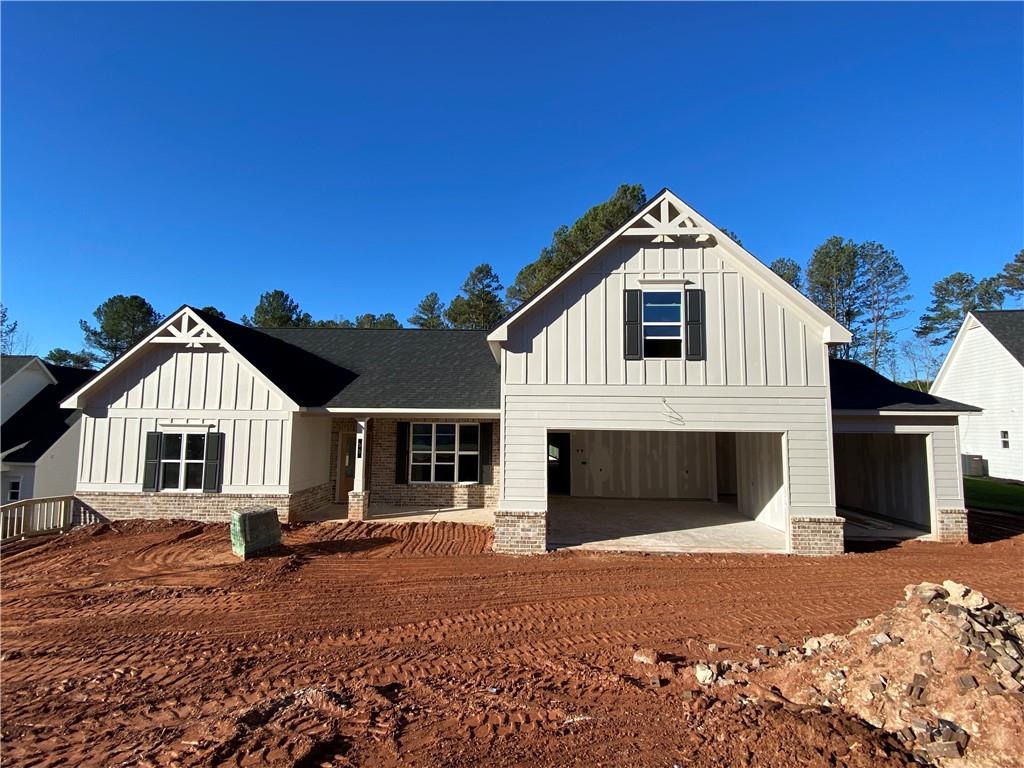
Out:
{"x": 816, "y": 535}
{"x": 205, "y": 507}
{"x": 951, "y": 525}
{"x": 384, "y": 490}
{"x": 520, "y": 533}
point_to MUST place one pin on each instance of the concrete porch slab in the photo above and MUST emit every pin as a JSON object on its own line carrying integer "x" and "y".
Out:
{"x": 657, "y": 525}
{"x": 863, "y": 527}
{"x": 387, "y": 513}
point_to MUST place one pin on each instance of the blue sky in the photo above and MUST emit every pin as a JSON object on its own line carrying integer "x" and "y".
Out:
{"x": 359, "y": 156}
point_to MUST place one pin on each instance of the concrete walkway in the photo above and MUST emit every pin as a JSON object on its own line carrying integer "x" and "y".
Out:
{"x": 657, "y": 525}
{"x": 383, "y": 513}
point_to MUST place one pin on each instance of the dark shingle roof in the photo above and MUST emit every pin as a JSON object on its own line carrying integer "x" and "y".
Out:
{"x": 371, "y": 368}
{"x": 41, "y": 420}
{"x": 1007, "y": 325}
{"x": 11, "y": 364}
{"x": 855, "y": 387}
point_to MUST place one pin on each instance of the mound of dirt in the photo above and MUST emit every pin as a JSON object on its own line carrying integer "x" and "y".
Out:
{"x": 943, "y": 670}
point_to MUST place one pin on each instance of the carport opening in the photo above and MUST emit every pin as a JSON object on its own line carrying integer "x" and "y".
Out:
{"x": 882, "y": 485}
{"x": 666, "y": 490}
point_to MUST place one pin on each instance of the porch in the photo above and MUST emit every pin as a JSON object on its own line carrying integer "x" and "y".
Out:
{"x": 394, "y": 513}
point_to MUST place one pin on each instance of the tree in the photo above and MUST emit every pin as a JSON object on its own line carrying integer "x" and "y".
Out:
{"x": 121, "y": 322}
{"x": 213, "y": 311}
{"x": 65, "y": 357}
{"x": 1011, "y": 279}
{"x": 788, "y": 270}
{"x": 952, "y": 298}
{"x": 832, "y": 284}
{"x": 732, "y": 235}
{"x": 276, "y": 309}
{"x": 429, "y": 312}
{"x": 370, "y": 320}
{"x": 480, "y": 306}
{"x": 570, "y": 244}
{"x": 924, "y": 361}
{"x": 8, "y": 332}
{"x": 882, "y": 292}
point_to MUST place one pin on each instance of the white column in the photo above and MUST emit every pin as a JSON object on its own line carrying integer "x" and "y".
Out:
{"x": 362, "y": 443}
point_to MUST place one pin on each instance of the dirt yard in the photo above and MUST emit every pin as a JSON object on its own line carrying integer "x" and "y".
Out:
{"x": 149, "y": 644}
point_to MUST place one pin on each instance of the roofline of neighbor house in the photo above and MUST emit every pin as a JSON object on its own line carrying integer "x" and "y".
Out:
{"x": 35, "y": 360}
{"x": 832, "y": 331}
{"x": 883, "y": 412}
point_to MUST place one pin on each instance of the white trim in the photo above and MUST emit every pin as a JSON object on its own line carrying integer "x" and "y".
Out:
{"x": 922, "y": 414}
{"x": 184, "y": 428}
{"x": 210, "y": 337}
{"x": 36, "y": 360}
{"x": 832, "y": 331}
{"x": 405, "y": 411}
{"x": 456, "y": 453}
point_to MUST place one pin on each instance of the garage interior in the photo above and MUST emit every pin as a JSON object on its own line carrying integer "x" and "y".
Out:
{"x": 882, "y": 485}
{"x": 670, "y": 491}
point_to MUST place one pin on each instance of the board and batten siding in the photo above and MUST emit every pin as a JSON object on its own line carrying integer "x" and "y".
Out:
{"x": 981, "y": 372}
{"x": 170, "y": 386}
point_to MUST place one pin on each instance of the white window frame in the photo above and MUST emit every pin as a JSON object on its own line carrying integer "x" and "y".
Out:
{"x": 182, "y": 461}
{"x": 8, "y": 490}
{"x": 1004, "y": 438}
{"x": 680, "y": 324}
{"x": 433, "y": 452}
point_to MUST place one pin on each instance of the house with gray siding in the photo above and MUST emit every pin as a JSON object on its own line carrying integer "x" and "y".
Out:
{"x": 668, "y": 367}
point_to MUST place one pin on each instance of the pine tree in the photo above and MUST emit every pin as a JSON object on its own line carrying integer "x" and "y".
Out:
{"x": 788, "y": 270}
{"x": 952, "y": 298}
{"x": 479, "y": 306}
{"x": 276, "y": 309}
{"x": 429, "y": 312}
{"x": 121, "y": 322}
{"x": 832, "y": 285}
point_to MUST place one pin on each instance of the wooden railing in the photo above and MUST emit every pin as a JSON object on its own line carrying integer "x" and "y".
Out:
{"x": 32, "y": 517}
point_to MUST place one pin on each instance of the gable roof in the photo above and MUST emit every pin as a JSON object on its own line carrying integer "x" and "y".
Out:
{"x": 41, "y": 421}
{"x": 13, "y": 364}
{"x": 856, "y": 387}
{"x": 1007, "y": 325}
{"x": 371, "y": 367}
{"x": 833, "y": 331}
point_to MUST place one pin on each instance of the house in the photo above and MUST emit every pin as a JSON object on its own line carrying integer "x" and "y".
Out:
{"x": 985, "y": 367}
{"x": 38, "y": 438}
{"x": 667, "y": 376}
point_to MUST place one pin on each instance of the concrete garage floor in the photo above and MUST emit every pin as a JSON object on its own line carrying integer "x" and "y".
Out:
{"x": 657, "y": 525}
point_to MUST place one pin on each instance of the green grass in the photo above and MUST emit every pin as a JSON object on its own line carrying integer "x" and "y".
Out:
{"x": 994, "y": 494}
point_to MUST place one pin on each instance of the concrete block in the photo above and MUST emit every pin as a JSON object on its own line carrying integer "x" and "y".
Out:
{"x": 255, "y": 531}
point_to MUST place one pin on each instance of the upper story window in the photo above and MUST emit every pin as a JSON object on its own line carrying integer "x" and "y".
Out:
{"x": 1004, "y": 438}
{"x": 445, "y": 453}
{"x": 14, "y": 489}
{"x": 663, "y": 324}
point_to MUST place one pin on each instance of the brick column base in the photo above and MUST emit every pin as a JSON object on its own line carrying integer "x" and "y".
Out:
{"x": 520, "y": 533}
{"x": 358, "y": 505}
{"x": 816, "y": 536}
{"x": 951, "y": 526}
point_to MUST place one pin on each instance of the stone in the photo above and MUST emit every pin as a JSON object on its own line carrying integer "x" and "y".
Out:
{"x": 705, "y": 675}
{"x": 882, "y": 638}
{"x": 966, "y": 683}
{"x": 255, "y": 531}
{"x": 646, "y": 656}
{"x": 940, "y": 749}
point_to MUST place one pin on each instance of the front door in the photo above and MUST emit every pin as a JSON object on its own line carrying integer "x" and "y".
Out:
{"x": 346, "y": 464}
{"x": 559, "y": 477}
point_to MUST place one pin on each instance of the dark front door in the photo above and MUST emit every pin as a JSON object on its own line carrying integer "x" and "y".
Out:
{"x": 559, "y": 475}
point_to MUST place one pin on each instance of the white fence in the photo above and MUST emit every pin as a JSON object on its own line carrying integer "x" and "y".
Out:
{"x": 48, "y": 515}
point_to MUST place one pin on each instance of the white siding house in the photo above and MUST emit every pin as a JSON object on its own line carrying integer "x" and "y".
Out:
{"x": 985, "y": 367}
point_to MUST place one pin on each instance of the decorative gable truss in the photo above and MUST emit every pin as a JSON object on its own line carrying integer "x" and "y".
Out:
{"x": 667, "y": 224}
{"x": 188, "y": 330}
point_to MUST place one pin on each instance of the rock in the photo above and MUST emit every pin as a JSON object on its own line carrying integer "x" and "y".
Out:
{"x": 705, "y": 675}
{"x": 882, "y": 638}
{"x": 646, "y": 656}
{"x": 939, "y": 749}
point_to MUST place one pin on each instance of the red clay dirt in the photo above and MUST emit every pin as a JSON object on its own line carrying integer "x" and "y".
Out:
{"x": 149, "y": 644}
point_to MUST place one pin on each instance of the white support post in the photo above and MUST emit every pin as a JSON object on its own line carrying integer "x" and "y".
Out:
{"x": 359, "y": 482}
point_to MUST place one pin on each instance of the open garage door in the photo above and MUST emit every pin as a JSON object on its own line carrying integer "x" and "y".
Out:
{"x": 666, "y": 490}
{"x": 884, "y": 477}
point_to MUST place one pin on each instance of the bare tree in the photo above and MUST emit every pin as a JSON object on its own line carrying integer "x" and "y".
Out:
{"x": 923, "y": 361}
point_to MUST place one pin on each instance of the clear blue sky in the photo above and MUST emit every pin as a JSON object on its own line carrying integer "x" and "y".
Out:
{"x": 359, "y": 156}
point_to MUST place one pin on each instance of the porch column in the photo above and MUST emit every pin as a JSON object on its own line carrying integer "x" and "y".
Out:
{"x": 359, "y": 496}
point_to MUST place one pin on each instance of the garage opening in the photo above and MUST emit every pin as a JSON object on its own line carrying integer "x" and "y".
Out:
{"x": 882, "y": 485}
{"x": 668, "y": 491}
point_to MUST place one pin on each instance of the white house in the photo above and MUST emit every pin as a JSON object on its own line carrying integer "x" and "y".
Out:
{"x": 38, "y": 439}
{"x": 985, "y": 367}
{"x": 667, "y": 368}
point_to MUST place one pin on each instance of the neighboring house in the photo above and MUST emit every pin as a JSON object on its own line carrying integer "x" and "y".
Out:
{"x": 985, "y": 367}
{"x": 38, "y": 438}
{"x": 667, "y": 363}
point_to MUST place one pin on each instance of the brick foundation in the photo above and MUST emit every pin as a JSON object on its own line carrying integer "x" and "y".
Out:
{"x": 951, "y": 526}
{"x": 520, "y": 533}
{"x": 816, "y": 536}
{"x": 358, "y": 504}
{"x": 204, "y": 507}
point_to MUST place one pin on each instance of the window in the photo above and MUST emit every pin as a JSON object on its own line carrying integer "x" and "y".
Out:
{"x": 181, "y": 462}
{"x": 445, "y": 453}
{"x": 14, "y": 489}
{"x": 662, "y": 324}
{"x": 1004, "y": 436}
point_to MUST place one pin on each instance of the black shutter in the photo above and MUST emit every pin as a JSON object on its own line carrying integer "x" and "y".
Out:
{"x": 632, "y": 328}
{"x": 402, "y": 454}
{"x": 696, "y": 328}
{"x": 151, "y": 470}
{"x": 214, "y": 452}
{"x": 486, "y": 437}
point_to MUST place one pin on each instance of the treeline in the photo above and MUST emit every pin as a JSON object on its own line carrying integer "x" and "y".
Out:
{"x": 862, "y": 285}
